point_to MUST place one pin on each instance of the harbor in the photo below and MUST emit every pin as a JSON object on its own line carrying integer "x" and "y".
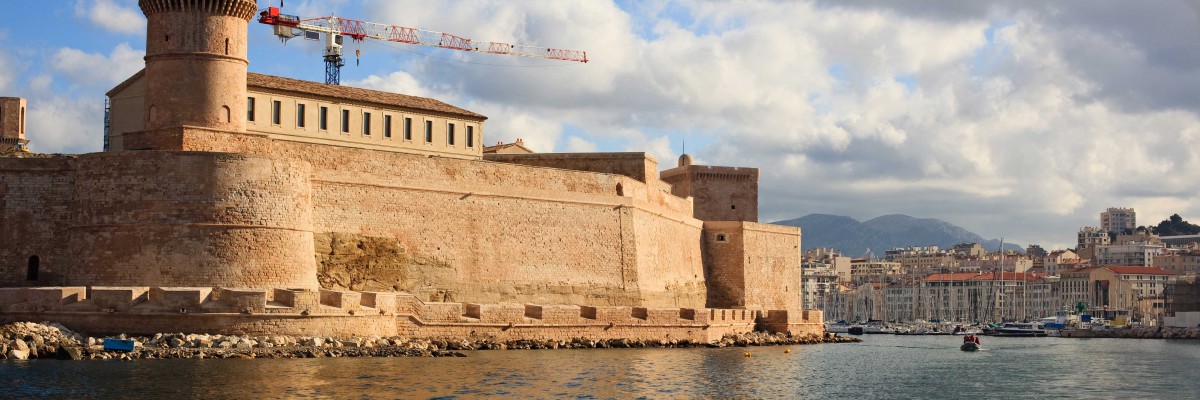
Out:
{"x": 896, "y": 365}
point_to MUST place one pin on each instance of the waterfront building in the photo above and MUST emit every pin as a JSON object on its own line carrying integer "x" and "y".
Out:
{"x": 1183, "y": 303}
{"x": 1133, "y": 291}
{"x": 818, "y": 281}
{"x": 970, "y": 297}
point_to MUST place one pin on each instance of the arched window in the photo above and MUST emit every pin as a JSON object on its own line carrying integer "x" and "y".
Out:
{"x": 620, "y": 189}
{"x": 22, "y": 120}
{"x": 31, "y": 272}
{"x": 226, "y": 46}
{"x": 228, "y": 115}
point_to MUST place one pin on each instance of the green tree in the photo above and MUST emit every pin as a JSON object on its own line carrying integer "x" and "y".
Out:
{"x": 1175, "y": 226}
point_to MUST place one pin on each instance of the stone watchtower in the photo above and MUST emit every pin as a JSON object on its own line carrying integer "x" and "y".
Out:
{"x": 718, "y": 193}
{"x": 196, "y": 63}
{"x": 12, "y": 123}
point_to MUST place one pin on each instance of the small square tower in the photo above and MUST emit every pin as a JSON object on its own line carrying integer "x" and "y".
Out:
{"x": 718, "y": 193}
{"x": 12, "y": 124}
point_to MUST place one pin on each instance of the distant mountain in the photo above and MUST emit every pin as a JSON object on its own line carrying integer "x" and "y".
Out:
{"x": 880, "y": 234}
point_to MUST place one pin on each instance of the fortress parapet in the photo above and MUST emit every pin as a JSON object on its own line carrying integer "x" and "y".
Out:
{"x": 148, "y": 310}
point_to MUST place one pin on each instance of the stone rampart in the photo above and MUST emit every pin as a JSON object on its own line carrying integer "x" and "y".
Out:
{"x": 191, "y": 219}
{"x": 752, "y": 265}
{"x": 636, "y": 165}
{"x": 36, "y": 207}
{"x": 148, "y": 310}
{"x": 460, "y": 230}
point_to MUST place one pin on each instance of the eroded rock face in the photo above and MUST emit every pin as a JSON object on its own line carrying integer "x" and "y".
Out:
{"x": 362, "y": 263}
{"x": 365, "y": 263}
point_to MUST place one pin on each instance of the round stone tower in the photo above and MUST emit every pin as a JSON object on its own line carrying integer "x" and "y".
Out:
{"x": 196, "y": 62}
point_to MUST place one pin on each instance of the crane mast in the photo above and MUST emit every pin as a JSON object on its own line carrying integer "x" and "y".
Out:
{"x": 332, "y": 30}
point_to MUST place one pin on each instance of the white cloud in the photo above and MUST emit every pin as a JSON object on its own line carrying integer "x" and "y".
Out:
{"x": 576, "y": 144}
{"x": 63, "y": 124}
{"x": 90, "y": 69}
{"x": 109, "y": 15}
{"x": 1005, "y": 118}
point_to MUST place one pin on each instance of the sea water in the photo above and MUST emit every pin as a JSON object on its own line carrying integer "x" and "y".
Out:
{"x": 882, "y": 366}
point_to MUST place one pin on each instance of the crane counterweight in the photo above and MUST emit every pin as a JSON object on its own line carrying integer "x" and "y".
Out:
{"x": 334, "y": 29}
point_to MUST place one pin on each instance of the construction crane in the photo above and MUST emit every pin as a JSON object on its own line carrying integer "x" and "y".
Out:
{"x": 332, "y": 30}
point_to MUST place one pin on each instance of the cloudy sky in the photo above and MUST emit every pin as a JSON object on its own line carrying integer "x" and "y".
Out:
{"x": 1021, "y": 120}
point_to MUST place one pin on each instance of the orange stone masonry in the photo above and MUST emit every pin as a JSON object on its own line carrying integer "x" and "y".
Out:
{"x": 196, "y": 225}
{"x": 145, "y": 311}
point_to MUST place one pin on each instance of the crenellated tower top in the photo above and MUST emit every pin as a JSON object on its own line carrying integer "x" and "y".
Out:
{"x": 244, "y": 9}
{"x": 196, "y": 63}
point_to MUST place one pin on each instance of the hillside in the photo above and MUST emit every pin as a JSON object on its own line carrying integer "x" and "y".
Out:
{"x": 853, "y": 238}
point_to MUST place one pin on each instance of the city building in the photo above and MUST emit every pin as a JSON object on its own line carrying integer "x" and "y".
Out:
{"x": 1135, "y": 253}
{"x": 1118, "y": 220}
{"x": 1132, "y": 291}
{"x": 1184, "y": 262}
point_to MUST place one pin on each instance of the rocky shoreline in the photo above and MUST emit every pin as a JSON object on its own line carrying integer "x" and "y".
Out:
{"x": 26, "y": 340}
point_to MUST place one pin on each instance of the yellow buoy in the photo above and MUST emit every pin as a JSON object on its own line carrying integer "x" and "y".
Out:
{"x": 747, "y": 354}
{"x": 787, "y": 350}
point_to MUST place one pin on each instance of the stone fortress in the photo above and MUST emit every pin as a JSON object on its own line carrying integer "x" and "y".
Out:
{"x": 239, "y": 203}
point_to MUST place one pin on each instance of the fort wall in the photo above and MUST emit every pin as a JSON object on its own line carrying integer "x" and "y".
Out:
{"x": 192, "y": 219}
{"x": 636, "y": 165}
{"x": 441, "y": 228}
{"x": 36, "y": 206}
{"x": 752, "y": 265}
{"x": 150, "y": 310}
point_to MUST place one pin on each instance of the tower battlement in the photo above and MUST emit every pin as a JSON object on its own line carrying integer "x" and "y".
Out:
{"x": 243, "y": 9}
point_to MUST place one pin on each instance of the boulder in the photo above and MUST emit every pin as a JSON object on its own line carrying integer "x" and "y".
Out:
{"x": 69, "y": 353}
{"x": 15, "y": 354}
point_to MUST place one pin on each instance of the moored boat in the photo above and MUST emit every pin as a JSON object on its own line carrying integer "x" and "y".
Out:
{"x": 1014, "y": 329}
{"x": 838, "y": 327}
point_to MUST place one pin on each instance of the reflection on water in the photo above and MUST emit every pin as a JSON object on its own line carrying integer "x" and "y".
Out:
{"x": 881, "y": 367}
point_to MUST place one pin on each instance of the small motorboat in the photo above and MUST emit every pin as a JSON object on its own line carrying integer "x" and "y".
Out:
{"x": 970, "y": 343}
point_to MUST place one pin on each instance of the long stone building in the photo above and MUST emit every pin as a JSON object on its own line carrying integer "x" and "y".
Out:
{"x": 293, "y": 204}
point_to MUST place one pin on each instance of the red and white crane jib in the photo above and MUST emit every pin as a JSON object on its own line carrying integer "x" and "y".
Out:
{"x": 361, "y": 30}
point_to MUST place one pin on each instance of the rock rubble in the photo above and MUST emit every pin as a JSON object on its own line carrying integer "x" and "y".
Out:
{"x": 26, "y": 340}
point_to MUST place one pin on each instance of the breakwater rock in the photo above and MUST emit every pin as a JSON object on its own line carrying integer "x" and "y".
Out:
{"x": 26, "y": 340}
{"x": 1137, "y": 332}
